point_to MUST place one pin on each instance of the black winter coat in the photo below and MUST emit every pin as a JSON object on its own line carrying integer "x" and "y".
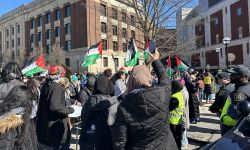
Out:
{"x": 12, "y": 133}
{"x": 52, "y": 115}
{"x": 141, "y": 121}
{"x": 194, "y": 103}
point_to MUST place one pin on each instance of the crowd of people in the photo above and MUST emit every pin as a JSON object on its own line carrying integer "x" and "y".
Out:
{"x": 137, "y": 109}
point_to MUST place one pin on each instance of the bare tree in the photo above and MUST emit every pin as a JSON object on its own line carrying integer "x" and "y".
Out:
{"x": 152, "y": 15}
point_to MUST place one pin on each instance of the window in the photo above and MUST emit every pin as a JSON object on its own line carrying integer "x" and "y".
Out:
{"x": 39, "y": 21}
{"x": 115, "y": 46}
{"x": 114, "y": 13}
{"x": 124, "y": 17}
{"x": 124, "y": 47}
{"x": 67, "y": 62}
{"x": 240, "y": 32}
{"x": 124, "y": 32}
{"x": 32, "y": 38}
{"x": 57, "y": 31}
{"x": 7, "y": 32}
{"x": 226, "y": 10}
{"x": 12, "y": 43}
{"x": 12, "y": 30}
{"x": 67, "y": 11}
{"x": 32, "y": 24}
{"x": 48, "y": 18}
{"x": 132, "y": 20}
{"x": 132, "y": 33}
{"x": 68, "y": 29}
{"x": 238, "y": 11}
{"x": 247, "y": 48}
{"x": 48, "y": 34}
{"x": 58, "y": 14}
{"x": 18, "y": 28}
{"x": 7, "y": 44}
{"x": 39, "y": 36}
{"x": 217, "y": 38}
{"x": 103, "y": 10}
{"x": 18, "y": 42}
{"x": 216, "y": 21}
{"x": 105, "y": 62}
{"x": 48, "y": 48}
{"x": 116, "y": 62}
{"x": 103, "y": 27}
{"x": 244, "y": 128}
{"x": 67, "y": 45}
{"x": 114, "y": 30}
{"x": 13, "y": 55}
{"x": 104, "y": 44}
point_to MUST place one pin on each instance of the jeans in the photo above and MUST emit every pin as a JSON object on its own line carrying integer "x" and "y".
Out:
{"x": 184, "y": 139}
{"x": 201, "y": 96}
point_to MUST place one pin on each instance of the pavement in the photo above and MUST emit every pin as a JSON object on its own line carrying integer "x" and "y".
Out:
{"x": 200, "y": 134}
{"x": 205, "y": 131}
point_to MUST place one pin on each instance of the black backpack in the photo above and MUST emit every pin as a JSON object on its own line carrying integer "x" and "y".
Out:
{"x": 96, "y": 135}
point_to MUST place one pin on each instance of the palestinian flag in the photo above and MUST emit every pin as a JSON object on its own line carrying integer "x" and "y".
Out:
{"x": 180, "y": 65}
{"x": 169, "y": 69}
{"x": 133, "y": 54}
{"x": 35, "y": 65}
{"x": 146, "y": 52}
{"x": 94, "y": 53}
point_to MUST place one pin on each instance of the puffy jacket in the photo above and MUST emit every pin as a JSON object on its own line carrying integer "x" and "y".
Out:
{"x": 6, "y": 87}
{"x": 141, "y": 121}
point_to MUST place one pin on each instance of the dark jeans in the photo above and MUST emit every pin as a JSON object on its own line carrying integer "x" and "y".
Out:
{"x": 224, "y": 129}
{"x": 176, "y": 131}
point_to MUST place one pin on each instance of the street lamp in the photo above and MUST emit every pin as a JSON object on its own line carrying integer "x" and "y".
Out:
{"x": 226, "y": 41}
{"x": 218, "y": 58}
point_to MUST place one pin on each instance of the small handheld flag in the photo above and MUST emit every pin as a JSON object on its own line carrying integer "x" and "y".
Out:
{"x": 94, "y": 53}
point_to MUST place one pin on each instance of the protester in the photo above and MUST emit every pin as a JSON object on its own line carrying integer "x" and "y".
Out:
{"x": 120, "y": 85}
{"x": 17, "y": 130}
{"x": 10, "y": 76}
{"x": 176, "y": 108}
{"x": 87, "y": 90}
{"x": 52, "y": 117}
{"x": 185, "y": 120}
{"x": 95, "y": 133}
{"x": 141, "y": 121}
{"x": 194, "y": 112}
{"x": 208, "y": 90}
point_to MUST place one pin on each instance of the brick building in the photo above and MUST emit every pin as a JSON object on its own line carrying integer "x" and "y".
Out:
{"x": 208, "y": 24}
{"x": 65, "y": 29}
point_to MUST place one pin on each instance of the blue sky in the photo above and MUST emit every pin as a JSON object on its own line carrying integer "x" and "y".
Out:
{"x": 8, "y": 5}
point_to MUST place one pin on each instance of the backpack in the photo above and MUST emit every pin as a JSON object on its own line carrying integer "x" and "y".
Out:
{"x": 96, "y": 135}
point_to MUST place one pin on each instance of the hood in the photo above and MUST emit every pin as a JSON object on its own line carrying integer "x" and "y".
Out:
{"x": 100, "y": 102}
{"x": 147, "y": 102}
{"x": 9, "y": 122}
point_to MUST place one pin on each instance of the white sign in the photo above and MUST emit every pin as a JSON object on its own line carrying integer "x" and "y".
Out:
{"x": 231, "y": 57}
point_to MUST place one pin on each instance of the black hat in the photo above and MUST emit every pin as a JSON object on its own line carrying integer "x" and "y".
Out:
{"x": 240, "y": 69}
{"x": 224, "y": 75}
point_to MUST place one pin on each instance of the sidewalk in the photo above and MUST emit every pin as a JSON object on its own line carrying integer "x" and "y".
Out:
{"x": 205, "y": 131}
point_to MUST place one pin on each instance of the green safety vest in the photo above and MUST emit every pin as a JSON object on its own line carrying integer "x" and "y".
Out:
{"x": 175, "y": 116}
{"x": 225, "y": 118}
